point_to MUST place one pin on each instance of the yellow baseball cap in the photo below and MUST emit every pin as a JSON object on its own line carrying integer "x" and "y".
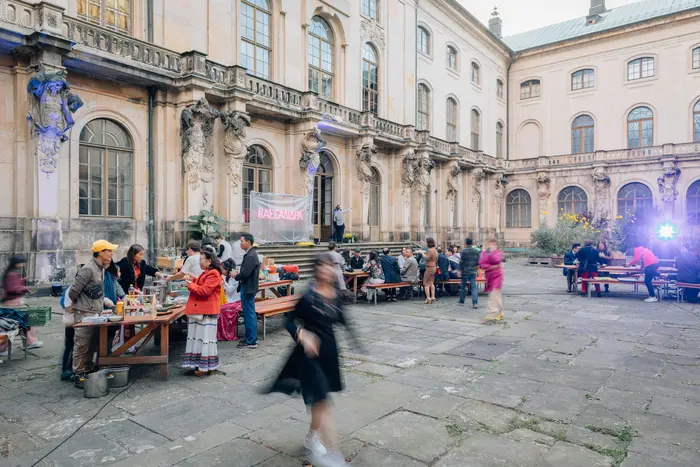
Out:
{"x": 101, "y": 245}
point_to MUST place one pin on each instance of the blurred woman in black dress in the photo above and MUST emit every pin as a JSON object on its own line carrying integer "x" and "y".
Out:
{"x": 313, "y": 368}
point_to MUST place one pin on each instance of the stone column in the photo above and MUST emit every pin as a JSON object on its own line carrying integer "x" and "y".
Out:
{"x": 499, "y": 193}
{"x": 365, "y": 154}
{"x": 235, "y": 149}
{"x": 453, "y": 191}
{"x": 543, "y": 192}
{"x": 478, "y": 191}
{"x": 423, "y": 181}
{"x": 408, "y": 179}
{"x": 196, "y": 127}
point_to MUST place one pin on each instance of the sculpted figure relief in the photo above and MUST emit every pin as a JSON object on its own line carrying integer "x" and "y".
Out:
{"x": 425, "y": 166}
{"x": 410, "y": 165}
{"x": 667, "y": 184}
{"x": 235, "y": 147}
{"x": 453, "y": 183}
{"x": 310, "y": 158}
{"x": 51, "y": 106}
{"x": 500, "y": 191}
{"x": 601, "y": 184}
{"x": 196, "y": 127}
{"x": 543, "y": 184}
{"x": 364, "y": 165}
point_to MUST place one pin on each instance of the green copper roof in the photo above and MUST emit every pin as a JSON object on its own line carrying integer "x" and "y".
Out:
{"x": 616, "y": 17}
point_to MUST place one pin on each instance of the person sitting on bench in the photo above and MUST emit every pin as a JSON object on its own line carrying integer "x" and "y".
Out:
{"x": 588, "y": 259}
{"x": 688, "y": 267}
{"x": 409, "y": 271}
{"x": 392, "y": 272}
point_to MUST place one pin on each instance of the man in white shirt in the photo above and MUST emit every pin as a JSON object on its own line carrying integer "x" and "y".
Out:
{"x": 339, "y": 222}
{"x": 191, "y": 266}
{"x": 225, "y": 251}
{"x": 339, "y": 263}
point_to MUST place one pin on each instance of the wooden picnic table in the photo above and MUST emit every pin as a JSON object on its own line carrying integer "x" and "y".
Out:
{"x": 160, "y": 323}
{"x": 275, "y": 306}
{"x": 572, "y": 267}
{"x": 634, "y": 270}
{"x": 609, "y": 280}
{"x": 353, "y": 276}
{"x": 272, "y": 285}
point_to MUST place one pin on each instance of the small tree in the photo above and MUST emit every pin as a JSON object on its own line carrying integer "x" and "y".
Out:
{"x": 204, "y": 224}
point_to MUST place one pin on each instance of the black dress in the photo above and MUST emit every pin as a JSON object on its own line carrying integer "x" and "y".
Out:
{"x": 313, "y": 377}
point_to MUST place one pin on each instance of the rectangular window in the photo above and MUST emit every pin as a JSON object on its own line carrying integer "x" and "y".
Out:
{"x": 111, "y": 14}
{"x": 369, "y": 8}
{"x": 256, "y": 48}
{"x": 92, "y": 175}
{"x": 582, "y": 79}
{"x": 640, "y": 68}
{"x": 696, "y": 58}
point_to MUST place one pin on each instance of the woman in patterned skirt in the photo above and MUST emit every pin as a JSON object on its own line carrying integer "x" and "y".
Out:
{"x": 202, "y": 312}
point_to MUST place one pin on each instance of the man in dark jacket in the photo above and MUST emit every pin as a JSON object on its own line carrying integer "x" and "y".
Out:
{"x": 588, "y": 259}
{"x": 248, "y": 277}
{"x": 469, "y": 262}
{"x": 443, "y": 263}
{"x": 569, "y": 260}
{"x": 356, "y": 262}
{"x": 392, "y": 272}
{"x": 688, "y": 268}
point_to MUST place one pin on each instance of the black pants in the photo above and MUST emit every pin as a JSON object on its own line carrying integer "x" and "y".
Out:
{"x": 390, "y": 293}
{"x": 339, "y": 232}
{"x": 67, "y": 363}
{"x": 570, "y": 279}
{"x": 650, "y": 272}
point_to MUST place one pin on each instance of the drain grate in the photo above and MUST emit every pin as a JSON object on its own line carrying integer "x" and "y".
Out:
{"x": 483, "y": 349}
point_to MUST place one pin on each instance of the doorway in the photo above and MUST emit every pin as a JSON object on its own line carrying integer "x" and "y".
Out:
{"x": 323, "y": 199}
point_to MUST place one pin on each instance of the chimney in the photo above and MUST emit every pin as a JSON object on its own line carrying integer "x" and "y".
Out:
{"x": 496, "y": 23}
{"x": 597, "y": 7}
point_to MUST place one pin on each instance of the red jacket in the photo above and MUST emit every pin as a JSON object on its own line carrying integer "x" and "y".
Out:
{"x": 205, "y": 294}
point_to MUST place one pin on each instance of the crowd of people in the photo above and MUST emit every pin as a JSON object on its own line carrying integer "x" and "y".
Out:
{"x": 431, "y": 267}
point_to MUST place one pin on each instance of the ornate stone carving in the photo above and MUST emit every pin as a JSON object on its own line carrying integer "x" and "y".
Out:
{"x": 479, "y": 176}
{"x": 423, "y": 169}
{"x": 364, "y": 166}
{"x": 667, "y": 185}
{"x": 499, "y": 193}
{"x": 601, "y": 185}
{"x": 372, "y": 32}
{"x": 543, "y": 184}
{"x": 453, "y": 183}
{"x": 235, "y": 147}
{"x": 310, "y": 158}
{"x": 196, "y": 126}
{"x": 410, "y": 165}
{"x": 51, "y": 106}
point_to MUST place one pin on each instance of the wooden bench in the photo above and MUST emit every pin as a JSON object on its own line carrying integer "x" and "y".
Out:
{"x": 275, "y": 306}
{"x": 656, "y": 283}
{"x": 684, "y": 285}
{"x": 387, "y": 285}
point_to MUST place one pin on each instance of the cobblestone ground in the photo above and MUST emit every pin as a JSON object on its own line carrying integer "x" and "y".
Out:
{"x": 564, "y": 381}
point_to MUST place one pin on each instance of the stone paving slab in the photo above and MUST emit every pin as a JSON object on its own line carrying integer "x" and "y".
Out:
{"x": 605, "y": 367}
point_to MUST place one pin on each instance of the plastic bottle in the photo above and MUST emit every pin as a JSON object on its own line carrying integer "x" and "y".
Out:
{"x": 132, "y": 290}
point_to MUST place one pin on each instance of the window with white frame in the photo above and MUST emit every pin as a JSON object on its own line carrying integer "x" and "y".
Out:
{"x": 423, "y": 108}
{"x": 640, "y": 128}
{"x": 423, "y": 40}
{"x": 582, "y": 79}
{"x": 696, "y": 58}
{"x": 476, "y": 130}
{"x": 452, "y": 113}
{"x": 370, "y": 79}
{"x": 499, "y": 139}
{"x": 256, "y": 43}
{"x": 640, "y": 68}
{"x": 530, "y": 89}
{"x": 369, "y": 8}
{"x": 321, "y": 58}
{"x": 476, "y": 73}
{"x": 111, "y": 14}
{"x": 499, "y": 89}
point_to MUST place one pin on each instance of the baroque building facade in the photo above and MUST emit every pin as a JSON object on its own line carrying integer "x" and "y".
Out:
{"x": 413, "y": 113}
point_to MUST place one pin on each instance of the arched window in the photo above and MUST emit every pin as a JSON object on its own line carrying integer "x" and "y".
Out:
{"x": 530, "y": 89}
{"x": 640, "y": 68}
{"x": 323, "y": 197}
{"x": 582, "y": 134}
{"x": 111, "y": 14}
{"x": 257, "y": 176}
{"x": 633, "y": 197}
{"x": 452, "y": 55}
{"x": 256, "y": 43}
{"x": 499, "y": 139}
{"x": 518, "y": 210}
{"x": 476, "y": 73}
{"x": 696, "y": 122}
{"x": 369, "y": 8}
{"x": 640, "y": 128}
{"x": 696, "y": 58}
{"x": 105, "y": 170}
{"x": 582, "y": 79}
{"x": 452, "y": 113}
{"x": 692, "y": 204}
{"x": 573, "y": 200}
{"x": 476, "y": 129}
{"x": 423, "y": 108}
{"x": 374, "y": 193}
{"x": 370, "y": 80}
{"x": 321, "y": 58}
{"x": 499, "y": 89}
{"x": 423, "y": 40}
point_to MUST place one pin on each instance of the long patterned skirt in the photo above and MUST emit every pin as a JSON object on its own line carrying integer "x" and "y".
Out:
{"x": 201, "y": 352}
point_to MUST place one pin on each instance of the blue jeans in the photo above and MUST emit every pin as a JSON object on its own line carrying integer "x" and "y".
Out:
{"x": 463, "y": 289}
{"x": 250, "y": 318}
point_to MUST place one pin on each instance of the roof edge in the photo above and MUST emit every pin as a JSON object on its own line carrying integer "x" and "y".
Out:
{"x": 479, "y": 25}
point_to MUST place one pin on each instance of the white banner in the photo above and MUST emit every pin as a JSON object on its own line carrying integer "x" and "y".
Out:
{"x": 280, "y": 218}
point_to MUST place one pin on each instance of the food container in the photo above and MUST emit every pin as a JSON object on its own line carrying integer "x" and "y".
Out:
{"x": 120, "y": 376}
{"x": 96, "y": 384}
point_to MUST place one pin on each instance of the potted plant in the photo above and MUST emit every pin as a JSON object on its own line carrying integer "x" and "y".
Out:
{"x": 204, "y": 224}
{"x": 349, "y": 238}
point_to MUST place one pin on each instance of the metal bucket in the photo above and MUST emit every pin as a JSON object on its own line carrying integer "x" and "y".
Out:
{"x": 120, "y": 376}
{"x": 160, "y": 289}
{"x": 96, "y": 384}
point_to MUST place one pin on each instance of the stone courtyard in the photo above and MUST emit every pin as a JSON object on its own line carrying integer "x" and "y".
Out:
{"x": 565, "y": 380}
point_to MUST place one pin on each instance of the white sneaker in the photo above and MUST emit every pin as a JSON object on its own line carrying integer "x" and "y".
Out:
{"x": 332, "y": 459}
{"x": 651, "y": 300}
{"x": 35, "y": 345}
{"x": 313, "y": 443}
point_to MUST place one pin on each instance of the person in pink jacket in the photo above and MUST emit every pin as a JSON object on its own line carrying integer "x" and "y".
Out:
{"x": 490, "y": 262}
{"x": 650, "y": 265}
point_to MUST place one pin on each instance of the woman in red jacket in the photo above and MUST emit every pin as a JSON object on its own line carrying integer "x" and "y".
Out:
{"x": 202, "y": 313}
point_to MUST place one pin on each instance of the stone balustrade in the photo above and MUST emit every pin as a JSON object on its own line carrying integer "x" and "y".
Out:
{"x": 271, "y": 92}
{"x": 19, "y": 14}
{"x": 620, "y": 155}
